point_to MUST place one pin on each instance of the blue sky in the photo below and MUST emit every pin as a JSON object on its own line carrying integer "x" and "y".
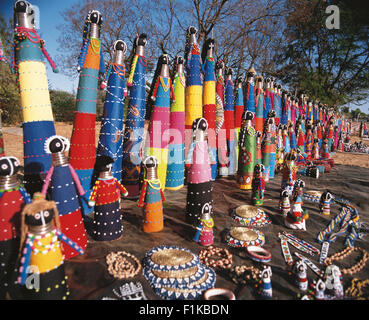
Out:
{"x": 50, "y": 18}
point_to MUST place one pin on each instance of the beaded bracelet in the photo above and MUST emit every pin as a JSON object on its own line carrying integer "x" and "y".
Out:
{"x": 219, "y": 292}
{"x": 243, "y": 274}
{"x": 119, "y": 266}
{"x": 259, "y": 254}
{"x": 343, "y": 254}
{"x": 355, "y": 291}
{"x": 225, "y": 261}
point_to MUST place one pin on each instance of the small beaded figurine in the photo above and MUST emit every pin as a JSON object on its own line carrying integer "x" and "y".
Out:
{"x": 301, "y": 275}
{"x": 105, "y": 197}
{"x": 319, "y": 290}
{"x": 333, "y": 281}
{"x": 296, "y": 218}
{"x": 12, "y": 199}
{"x": 325, "y": 203}
{"x": 315, "y": 154}
{"x": 204, "y": 234}
{"x": 289, "y": 172}
{"x": 41, "y": 269}
{"x": 266, "y": 285}
{"x": 258, "y": 185}
{"x": 151, "y": 198}
{"x": 284, "y": 203}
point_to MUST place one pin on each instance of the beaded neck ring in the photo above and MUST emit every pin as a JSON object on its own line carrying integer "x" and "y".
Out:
{"x": 219, "y": 294}
{"x": 120, "y": 267}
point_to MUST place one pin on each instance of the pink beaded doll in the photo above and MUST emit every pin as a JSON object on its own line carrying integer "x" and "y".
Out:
{"x": 204, "y": 234}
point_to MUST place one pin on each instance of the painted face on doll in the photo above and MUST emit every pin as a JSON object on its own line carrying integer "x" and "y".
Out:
{"x": 179, "y": 60}
{"x": 150, "y": 162}
{"x": 95, "y": 17}
{"x": 141, "y": 40}
{"x": 9, "y": 166}
{"x": 200, "y": 124}
{"x": 191, "y": 30}
{"x": 120, "y": 45}
{"x": 40, "y": 218}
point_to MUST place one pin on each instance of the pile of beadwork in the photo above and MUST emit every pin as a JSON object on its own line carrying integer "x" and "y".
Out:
{"x": 176, "y": 273}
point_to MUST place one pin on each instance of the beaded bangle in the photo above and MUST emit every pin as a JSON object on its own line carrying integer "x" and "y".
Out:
{"x": 343, "y": 254}
{"x": 244, "y": 274}
{"x": 355, "y": 291}
{"x": 259, "y": 254}
{"x": 219, "y": 292}
{"x": 119, "y": 266}
{"x": 225, "y": 261}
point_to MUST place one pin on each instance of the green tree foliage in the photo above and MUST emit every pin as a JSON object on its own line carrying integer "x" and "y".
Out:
{"x": 63, "y": 104}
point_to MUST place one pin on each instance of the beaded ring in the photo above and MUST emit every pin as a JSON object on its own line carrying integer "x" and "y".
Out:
{"x": 225, "y": 261}
{"x": 216, "y": 292}
{"x": 259, "y": 254}
{"x": 356, "y": 289}
{"x": 343, "y": 254}
{"x": 119, "y": 266}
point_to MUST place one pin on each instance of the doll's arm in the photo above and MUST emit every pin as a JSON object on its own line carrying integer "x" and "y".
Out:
{"x": 47, "y": 181}
{"x": 102, "y": 64}
{"x": 172, "y": 91}
{"x": 72, "y": 244}
{"x": 93, "y": 196}
{"x": 75, "y": 177}
{"x": 141, "y": 200}
{"x": 190, "y": 153}
{"x": 25, "y": 260}
{"x": 132, "y": 72}
{"x": 25, "y": 195}
{"x": 121, "y": 188}
{"x": 153, "y": 97}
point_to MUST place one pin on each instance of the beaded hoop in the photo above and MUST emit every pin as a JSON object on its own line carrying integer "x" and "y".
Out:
{"x": 259, "y": 254}
{"x": 119, "y": 266}
{"x": 228, "y": 294}
{"x": 237, "y": 237}
{"x": 255, "y": 218}
{"x": 225, "y": 261}
{"x": 343, "y": 254}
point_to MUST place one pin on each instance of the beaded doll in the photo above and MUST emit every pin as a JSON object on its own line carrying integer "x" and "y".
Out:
{"x": 209, "y": 99}
{"x": 266, "y": 285}
{"x": 268, "y": 98}
{"x": 333, "y": 281}
{"x": 42, "y": 251}
{"x": 325, "y": 203}
{"x": 296, "y": 217}
{"x": 289, "y": 172}
{"x": 300, "y": 269}
{"x": 238, "y": 112}
{"x": 258, "y": 185}
{"x": 135, "y": 119}
{"x": 247, "y": 152}
{"x": 319, "y": 290}
{"x": 249, "y": 96}
{"x": 268, "y": 144}
{"x": 329, "y": 133}
{"x": 286, "y": 140}
{"x": 204, "y": 234}
{"x": 277, "y": 103}
{"x": 105, "y": 198}
{"x": 37, "y": 116}
{"x": 309, "y": 139}
{"x": 12, "y": 199}
{"x": 151, "y": 198}
{"x": 111, "y": 132}
{"x": 259, "y": 101}
{"x": 284, "y": 203}
{"x": 66, "y": 190}
{"x": 279, "y": 149}
{"x": 82, "y": 154}
{"x": 158, "y": 110}
{"x": 292, "y": 137}
{"x": 259, "y": 154}
{"x": 199, "y": 185}
{"x": 315, "y": 153}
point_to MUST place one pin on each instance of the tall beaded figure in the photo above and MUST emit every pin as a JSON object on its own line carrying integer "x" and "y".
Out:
{"x": 238, "y": 112}
{"x": 12, "y": 199}
{"x": 221, "y": 133}
{"x": 159, "y": 104}
{"x": 199, "y": 187}
{"x": 258, "y": 185}
{"x": 268, "y": 144}
{"x": 193, "y": 97}
{"x": 82, "y": 153}
{"x": 209, "y": 99}
{"x": 66, "y": 190}
{"x": 38, "y": 120}
{"x": 249, "y": 96}
{"x": 269, "y": 99}
{"x": 176, "y": 160}
{"x": 289, "y": 174}
{"x": 42, "y": 251}
{"x": 295, "y": 219}
{"x": 151, "y": 198}
{"x": 105, "y": 197}
{"x": 247, "y": 152}
{"x": 259, "y": 101}
{"x": 229, "y": 122}
{"x": 111, "y": 131}
{"x": 278, "y": 103}
{"x": 135, "y": 119}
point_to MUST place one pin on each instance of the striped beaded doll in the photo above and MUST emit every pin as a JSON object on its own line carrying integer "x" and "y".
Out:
{"x": 260, "y": 102}
{"x": 41, "y": 270}
{"x": 82, "y": 155}
{"x": 151, "y": 198}
{"x": 66, "y": 190}
{"x": 249, "y": 96}
{"x": 176, "y": 165}
{"x": 289, "y": 174}
{"x": 247, "y": 152}
{"x": 238, "y": 112}
{"x": 12, "y": 199}
{"x": 268, "y": 144}
{"x": 199, "y": 185}
{"x": 209, "y": 99}
{"x": 284, "y": 203}
{"x": 268, "y": 98}
{"x": 296, "y": 217}
{"x": 193, "y": 97}
{"x": 37, "y": 116}
{"x": 111, "y": 131}
{"x": 259, "y": 154}
{"x": 258, "y": 185}
{"x": 105, "y": 197}
{"x": 204, "y": 234}
{"x": 133, "y": 139}
{"x": 325, "y": 203}
{"x": 277, "y": 103}
{"x": 309, "y": 139}
{"x": 159, "y": 105}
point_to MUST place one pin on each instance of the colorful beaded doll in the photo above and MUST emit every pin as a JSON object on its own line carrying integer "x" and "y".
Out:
{"x": 259, "y": 101}
{"x": 284, "y": 203}
{"x": 37, "y": 116}
{"x": 325, "y": 203}
{"x": 309, "y": 139}
{"x": 278, "y": 103}
{"x": 249, "y": 96}
{"x": 333, "y": 281}
{"x": 209, "y": 100}
{"x": 315, "y": 153}
{"x": 204, "y": 234}
{"x": 176, "y": 165}
{"x": 300, "y": 269}
{"x": 268, "y": 144}
{"x": 266, "y": 286}
{"x": 111, "y": 132}
{"x": 289, "y": 174}
{"x": 151, "y": 198}
{"x": 66, "y": 190}
{"x": 199, "y": 185}
{"x": 268, "y": 98}
{"x": 247, "y": 152}
{"x": 286, "y": 140}
{"x": 279, "y": 152}
{"x": 135, "y": 119}
{"x": 238, "y": 112}
{"x": 159, "y": 106}
{"x": 284, "y": 108}
{"x": 105, "y": 197}
{"x": 319, "y": 290}
{"x": 296, "y": 217}
{"x": 41, "y": 270}
{"x": 12, "y": 199}
{"x": 259, "y": 154}
{"x": 258, "y": 185}
{"x": 82, "y": 155}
